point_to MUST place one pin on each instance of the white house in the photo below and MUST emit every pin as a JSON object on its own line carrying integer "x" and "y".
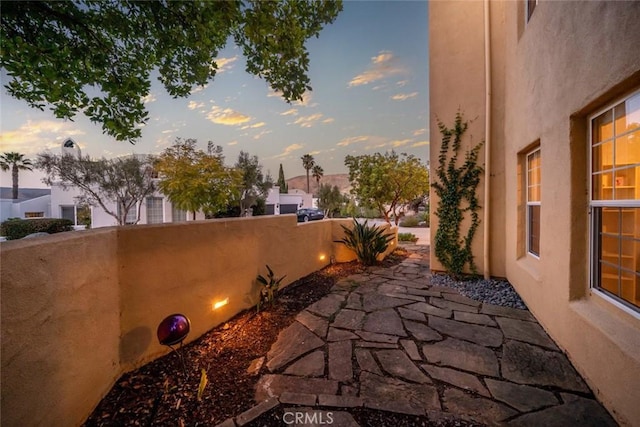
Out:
{"x": 31, "y": 203}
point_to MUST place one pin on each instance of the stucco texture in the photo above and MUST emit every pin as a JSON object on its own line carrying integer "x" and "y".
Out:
{"x": 548, "y": 76}
{"x": 79, "y": 309}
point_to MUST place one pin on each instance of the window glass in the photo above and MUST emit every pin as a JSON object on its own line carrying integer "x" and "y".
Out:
{"x": 154, "y": 210}
{"x": 533, "y": 202}
{"x": 615, "y": 199}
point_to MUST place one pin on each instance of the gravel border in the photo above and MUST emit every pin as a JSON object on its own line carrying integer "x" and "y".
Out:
{"x": 492, "y": 291}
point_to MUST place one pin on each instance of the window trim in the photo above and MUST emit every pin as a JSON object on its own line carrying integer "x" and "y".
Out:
{"x": 618, "y": 302}
{"x": 528, "y": 203}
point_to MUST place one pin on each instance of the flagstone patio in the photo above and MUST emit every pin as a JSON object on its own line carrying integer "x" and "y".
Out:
{"x": 388, "y": 340}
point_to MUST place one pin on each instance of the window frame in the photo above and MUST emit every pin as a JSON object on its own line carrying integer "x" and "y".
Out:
{"x": 149, "y": 210}
{"x": 529, "y": 203}
{"x": 593, "y": 204}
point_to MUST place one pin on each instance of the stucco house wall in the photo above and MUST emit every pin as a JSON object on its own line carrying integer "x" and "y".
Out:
{"x": 547, "y": 76}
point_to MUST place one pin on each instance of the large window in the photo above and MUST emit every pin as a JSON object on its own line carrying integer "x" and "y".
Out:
{"x": 615, "y": 200}
{"x": 178, "y": 215}
{"x": 533, "y": 202}
{"x": 154, "y": 210}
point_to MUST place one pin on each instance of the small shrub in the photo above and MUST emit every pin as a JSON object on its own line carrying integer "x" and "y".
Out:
{"x": 410, "y": 221}
{"x": 407, "y": 237}
{"x": 366, "y": 241}
{"x": 19, "y": 228}
{"x": 270, "y": 286}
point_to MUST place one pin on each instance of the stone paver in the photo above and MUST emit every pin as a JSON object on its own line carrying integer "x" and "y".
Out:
{"x": 340, "y": 365}
{"x": 293, "y": 342}
{"x": 462, "y": 355}
{"x": 348, "y": 319}
{"x": 385, "y": 322}
{"x": 482, "y": 335}
{"x": 398, "y": 364}
{"x": 387, "y": 340}
{"x": 522, "y": 397}
{"x": 527, "y": 364}
{"x": 421, "y": 332}
{"x": 390, "y": 394}
{"x": 457, "y": 378}
{"x": 529, "y": 332}
{"x": 311, "y": 365}
{"x": 315, "y": 324}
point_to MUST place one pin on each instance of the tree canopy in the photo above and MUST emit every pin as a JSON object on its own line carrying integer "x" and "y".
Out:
{"x": 282, "y": 183}
{"x": 124, "y": 181}
{"x": 254, "y": 184}
{"x": 387, "y": 181}
{"x": 96, "y": 57}
{"x": 195, "y": 180}
{"x": 330, "y": 200}
{"x": 308, "y": 163}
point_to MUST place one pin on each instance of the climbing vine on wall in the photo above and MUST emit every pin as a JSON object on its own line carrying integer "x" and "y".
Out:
{"x": 456, "y": 187}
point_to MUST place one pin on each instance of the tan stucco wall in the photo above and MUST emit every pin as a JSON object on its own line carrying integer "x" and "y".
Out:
{"x": 569, "y": 60}
{"x": 79, "y": 309}
{"x": 60, "y": 326}
{"x": 457, "y": 83}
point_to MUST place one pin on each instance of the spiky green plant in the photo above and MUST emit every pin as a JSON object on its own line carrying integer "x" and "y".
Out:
{"x": 270, "y": 286}
{"x": 366, "y": 241}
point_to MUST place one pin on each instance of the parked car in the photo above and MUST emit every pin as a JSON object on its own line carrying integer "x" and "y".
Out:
{"x": 309, "y": 214}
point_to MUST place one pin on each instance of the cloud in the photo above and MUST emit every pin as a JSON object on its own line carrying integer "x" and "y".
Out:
{"x": 420, "y": 144}
{"x": 306, "y": 99}
{"x": 404, "y": 96}
{"x": 418, "y": 132}
{"x": 290, "y": 112}
{"x": 233, "y": 143}
{"x": 400, "y": 143}
{"x": 402, "y": 82}
{"x": 353, "y": 140}
{"x": 328, "y": 120}
{"x": 227, "y": 116}
{"x": 382, "y": 66}
{"x": 194, "y": 105}
{"x": 261, "y": 134}
{"x": 149, "y": 98}
{"x": 288, "y": 150}
{"x": 199, "y": 88}
{"x": 35, "y": 136}
{"x": 308, "y": 121}
{"x": 225, "y": 64}
{"x": 253, "y": 126}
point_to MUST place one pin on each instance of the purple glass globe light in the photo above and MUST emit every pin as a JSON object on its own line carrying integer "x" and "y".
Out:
{"x": 173, "y": 329}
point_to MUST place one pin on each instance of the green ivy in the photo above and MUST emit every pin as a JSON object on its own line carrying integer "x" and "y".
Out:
{"x": 456, "y": 188}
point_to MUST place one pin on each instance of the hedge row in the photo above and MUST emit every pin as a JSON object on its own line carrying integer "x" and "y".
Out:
{"x": 18, "y": 228}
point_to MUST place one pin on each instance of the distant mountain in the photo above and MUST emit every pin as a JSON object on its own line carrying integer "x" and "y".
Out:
{"x": 339, "y": 179}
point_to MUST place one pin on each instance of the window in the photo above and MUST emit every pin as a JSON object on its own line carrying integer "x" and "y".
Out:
{"x": 615, "y": 200}
{"x": 68, "y": 212}
{"x": 178, "y": 215}
{"x": 34, "y": 214}
{"x": 132, "y": 214}
{"x": 530, "y": 6}
{"x": 533, "y": 202}
{"x": 154, "y": 210}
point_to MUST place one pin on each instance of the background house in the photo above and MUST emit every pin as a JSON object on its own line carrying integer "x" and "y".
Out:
{"x": 31, "y": 203}
{"x": 553, "y": 88}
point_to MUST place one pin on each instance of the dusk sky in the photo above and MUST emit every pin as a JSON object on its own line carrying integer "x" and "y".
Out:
{"x": 369, "y": 73}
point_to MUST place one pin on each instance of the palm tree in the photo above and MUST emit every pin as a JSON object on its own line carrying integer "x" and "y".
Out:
{"x": 308, "y": 163}
{"x": 317, "y": 172}
{"x": 16, "y": 162}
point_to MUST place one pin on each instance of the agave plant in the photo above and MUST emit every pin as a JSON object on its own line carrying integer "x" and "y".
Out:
{"x": 366, "y": 241}
{"x": 270, "y": 286}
